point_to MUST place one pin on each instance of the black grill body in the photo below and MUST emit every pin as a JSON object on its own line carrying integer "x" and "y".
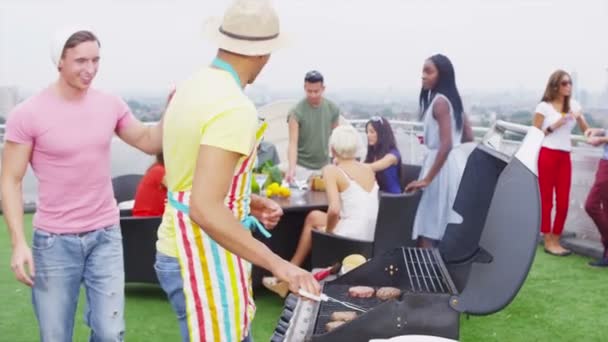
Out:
{"x": 477, "y": 269}
{"x": 423, "y": 308}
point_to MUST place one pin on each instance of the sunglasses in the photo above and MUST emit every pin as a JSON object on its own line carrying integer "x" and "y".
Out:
{"x": 376, "y": 118}
{"x": 565, "y": 83}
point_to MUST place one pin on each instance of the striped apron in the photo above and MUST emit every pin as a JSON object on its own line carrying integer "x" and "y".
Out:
{"x": 217, "y": 283}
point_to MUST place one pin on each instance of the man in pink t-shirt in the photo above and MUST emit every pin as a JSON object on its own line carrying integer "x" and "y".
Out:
{"x": 65, "y": 132}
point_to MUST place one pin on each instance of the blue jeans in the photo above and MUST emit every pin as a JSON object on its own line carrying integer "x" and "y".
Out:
{"x": 63, "y": 262}
{"x": 170, "y": 278}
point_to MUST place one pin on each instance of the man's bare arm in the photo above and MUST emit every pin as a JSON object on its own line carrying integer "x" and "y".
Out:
{"x": 15, "y": 158}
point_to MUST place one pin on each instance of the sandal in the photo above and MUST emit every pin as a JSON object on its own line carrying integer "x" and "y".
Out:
{"x": 561, "y": 254}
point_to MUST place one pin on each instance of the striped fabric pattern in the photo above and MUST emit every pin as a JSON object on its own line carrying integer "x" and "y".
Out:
{"x": 217, "y": 283}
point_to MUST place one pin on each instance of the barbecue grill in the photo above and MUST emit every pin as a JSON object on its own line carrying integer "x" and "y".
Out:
{"x": 477, "y": 269}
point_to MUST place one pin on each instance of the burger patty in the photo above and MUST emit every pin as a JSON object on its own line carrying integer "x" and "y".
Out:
{"x": 361, "y": 292}
{"x": 386, "y": 293}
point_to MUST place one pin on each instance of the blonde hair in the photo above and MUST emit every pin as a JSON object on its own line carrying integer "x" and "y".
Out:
{"x": 344, "y": 141}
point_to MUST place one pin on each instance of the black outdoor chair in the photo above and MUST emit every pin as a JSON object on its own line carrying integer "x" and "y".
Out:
{"x": 125, "y": 188}
{"x": 328, "y": 249}
{"x": 139, "y": 248}
{"x": 396, "y": 214}
{"x": 409, "y": 173}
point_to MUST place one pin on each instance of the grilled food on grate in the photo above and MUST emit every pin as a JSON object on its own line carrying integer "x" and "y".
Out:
{"x": 361, "y": 292}
{"x": 333, "y": 325}
{"x": 386, "y": 293}
{"x": 344, "y": 316}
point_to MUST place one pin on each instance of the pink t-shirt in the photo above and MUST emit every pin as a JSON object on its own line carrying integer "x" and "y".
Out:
{"x": 71, "y": 157}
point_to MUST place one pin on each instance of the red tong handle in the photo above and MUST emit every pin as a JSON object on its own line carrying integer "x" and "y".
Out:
{"x": 322, "y": 274}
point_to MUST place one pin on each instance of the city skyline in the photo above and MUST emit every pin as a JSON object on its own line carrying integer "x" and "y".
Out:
{"x": 494, "y": 45}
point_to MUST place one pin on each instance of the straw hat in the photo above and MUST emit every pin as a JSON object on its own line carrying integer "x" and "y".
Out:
{"x": 249, "y": 27}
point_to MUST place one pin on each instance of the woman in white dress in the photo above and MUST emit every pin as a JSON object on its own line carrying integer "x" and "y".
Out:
{"x": 445, "y": 128}
{"x": 352, "y": 194}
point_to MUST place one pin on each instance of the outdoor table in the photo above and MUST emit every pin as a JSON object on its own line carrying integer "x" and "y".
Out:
{"x": 310, "y": 200}
{"x": 286, "y": 234}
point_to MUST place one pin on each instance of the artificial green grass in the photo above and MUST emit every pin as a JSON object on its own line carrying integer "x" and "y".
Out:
{"x": 562, "y": 300}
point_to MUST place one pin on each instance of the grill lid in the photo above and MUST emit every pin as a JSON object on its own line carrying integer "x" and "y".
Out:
{"x": 509, "y": 232}
{"x": 461, "y": 241}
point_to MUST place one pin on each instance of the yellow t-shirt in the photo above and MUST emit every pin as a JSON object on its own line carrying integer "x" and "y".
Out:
{"x": 207, "y": 109}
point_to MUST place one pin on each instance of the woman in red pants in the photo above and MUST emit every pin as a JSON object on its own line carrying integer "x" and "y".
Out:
{"x": 556, "y": 115}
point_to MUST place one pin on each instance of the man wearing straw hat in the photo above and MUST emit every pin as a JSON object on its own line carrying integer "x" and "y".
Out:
{"x": 211, "y": 132}
{"x": 64, "y": 132}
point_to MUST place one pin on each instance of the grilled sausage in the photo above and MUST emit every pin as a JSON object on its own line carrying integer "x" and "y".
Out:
{"x": 333, "y": 325}
{"x": 361, "y": 292}
{"x": 345, "y": 316}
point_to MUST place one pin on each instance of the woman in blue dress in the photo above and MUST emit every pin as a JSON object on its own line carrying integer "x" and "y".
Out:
{"x": 445, "y": 128}
{"x": 383, "y": 155}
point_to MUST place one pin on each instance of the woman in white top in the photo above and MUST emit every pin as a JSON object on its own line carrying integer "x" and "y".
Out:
{"x": 556, "y": 115}
{"x": 445, "y": 128}
{"x": 352, "y": 193}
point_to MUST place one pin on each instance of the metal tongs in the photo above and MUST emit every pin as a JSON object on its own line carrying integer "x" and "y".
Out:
{"x": 325, "y": 298}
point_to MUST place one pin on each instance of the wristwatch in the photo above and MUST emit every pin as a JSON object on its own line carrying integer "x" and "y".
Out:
{"x": 549, "y": 129}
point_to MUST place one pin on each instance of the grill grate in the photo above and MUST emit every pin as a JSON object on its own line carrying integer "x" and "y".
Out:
{"x": 417, "y": 270}
{"x": 424, "y": 271}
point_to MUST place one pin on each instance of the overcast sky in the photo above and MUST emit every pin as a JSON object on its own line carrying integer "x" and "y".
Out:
{"x": 494, "y": 44}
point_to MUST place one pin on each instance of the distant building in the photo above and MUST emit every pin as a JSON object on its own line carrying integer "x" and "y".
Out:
{"x": 576, "y": 87}
{"x": 8, "y": 99}
{"x": 583, "y": 98}
{"x": 606, "y": 90}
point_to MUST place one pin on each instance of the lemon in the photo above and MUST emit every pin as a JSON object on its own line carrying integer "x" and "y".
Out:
{"x": 274, "y": 187}
{"x": 269, "y": 192}
{"x": 283, "y": 191}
